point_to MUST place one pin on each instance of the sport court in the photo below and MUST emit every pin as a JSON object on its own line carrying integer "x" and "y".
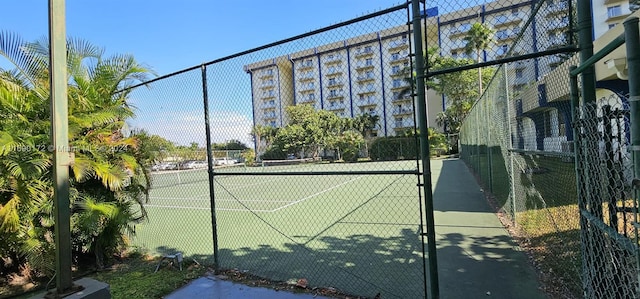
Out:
{"x": 343, "y": 225}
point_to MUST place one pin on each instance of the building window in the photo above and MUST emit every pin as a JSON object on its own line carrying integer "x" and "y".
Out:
{"x": 395, "y": 69}
{"x": 368, "y": 74}
{"x": 454, "y": 54}
{"x": 614, "y": 11}
{"x": 502, "y": 49}
{"x": 368, "y": 62}
{"x": 332, "y": 81}
{"x": 612, "y": 25}
{"x": 397, "y": 82}
{"x": 399, "y": 122}
{"x": 502, "y": 34}
{"x": 515, "y": 10}
{"x": 519, "y": 73}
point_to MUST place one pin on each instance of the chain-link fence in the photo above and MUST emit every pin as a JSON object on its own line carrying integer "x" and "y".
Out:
{"x": 306, "y": 178}
{"x": 564, "y": 186}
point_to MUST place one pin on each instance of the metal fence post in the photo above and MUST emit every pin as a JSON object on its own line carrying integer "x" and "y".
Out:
{"x": 512, "y": 185}
{"x": 212, "y": 199}
{"x": 60, "y": 142}
{"x": 424, "y": 150}
{"x": 632, "y": 38}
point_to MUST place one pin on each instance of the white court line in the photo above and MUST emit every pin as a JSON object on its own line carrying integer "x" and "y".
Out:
{"x": 290, "y": 203}
{"x": 250, "y": 200}
{"x": 314, "y": 195}
{"x": 201, "y": 197}
{"x": 207, "y": 209}
{"x": 239, "y": 186}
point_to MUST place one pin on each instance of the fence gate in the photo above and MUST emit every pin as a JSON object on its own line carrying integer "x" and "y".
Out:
{"x": 607, "y": 179}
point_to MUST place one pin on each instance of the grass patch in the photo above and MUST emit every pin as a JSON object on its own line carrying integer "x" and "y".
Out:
{"x": 133, "y": 277}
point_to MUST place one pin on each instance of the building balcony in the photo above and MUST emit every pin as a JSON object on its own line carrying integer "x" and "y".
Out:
{"x": 369, "y": 101}
{"x": 306, "y": 100}
{"x": 557, "y": 26}
{"x": 455, "y": 33}
{"x": 403, "y": 125}
{"x": 402, "y": 111}
{"x": 334, "y": 59}
{"x": 398, "y": 44}
{"x": 307, "y": 88}
{"x": 400, "y": 86}
{"x": 364, "y": 78}
{"x": 335, "y": 95}
{"x": 506, "y": 37}
{"x": 268, "y": 105}
{"x": 335, "y": 83}
{"x": 335, "y": 71}
{"x": 508, "y": 21}
{"x": 364, "y": 52}
{"x": 398, "y": 58}
{"x": 557, "y": 8}
{"x": 269, "y": 115}
{"x": 305, "y": 65}
{"x": 404, "y": 98}
{"x": 336, "y": 107}
{"x": 400, "y": 73}
{"x": 618, "y": 17}
{"x": 267, "y": 84}
{"x": 517, "y": 65}
{"x": 268, "y": 95}
{"x": 372, "y": 113}
{"x": 306, "y": 78}
{"x": 364, "y": 66}
{"x": 266, "y": 74}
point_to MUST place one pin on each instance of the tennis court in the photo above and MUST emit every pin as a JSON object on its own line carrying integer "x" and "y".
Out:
{"x": 348, "y": 226}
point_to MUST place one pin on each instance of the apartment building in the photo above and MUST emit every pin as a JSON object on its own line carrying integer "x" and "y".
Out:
{"x": 365, "y": 74}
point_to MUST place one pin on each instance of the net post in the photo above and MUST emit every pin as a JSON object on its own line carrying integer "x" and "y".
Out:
{"x": 212, "y": 198}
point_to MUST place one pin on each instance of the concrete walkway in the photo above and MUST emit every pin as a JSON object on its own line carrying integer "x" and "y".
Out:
{"x": 476, "y": 256}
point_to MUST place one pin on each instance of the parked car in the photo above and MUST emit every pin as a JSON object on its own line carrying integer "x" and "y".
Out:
{"x": 225, "y": 161}
{"x": 194, "y": 165}
{"x": 164, "y": 166}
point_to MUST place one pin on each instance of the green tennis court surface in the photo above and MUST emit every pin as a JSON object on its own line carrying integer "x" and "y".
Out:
{"x": 344, "y": 231}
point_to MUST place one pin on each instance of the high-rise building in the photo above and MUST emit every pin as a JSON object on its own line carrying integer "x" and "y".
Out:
{"x": 366, "y": 74}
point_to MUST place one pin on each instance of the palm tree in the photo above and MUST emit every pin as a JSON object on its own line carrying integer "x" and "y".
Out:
{"x": 478, "y": 38}
{"x": 108, "y": 176}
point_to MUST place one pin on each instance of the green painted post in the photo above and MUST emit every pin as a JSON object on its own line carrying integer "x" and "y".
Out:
{"x": 585, "y": 40}
{"x": 212, "y": 197}
{"x": 424, "y": 151}
{"x": 60, "y": 142}
{"x": 631, "y": 33}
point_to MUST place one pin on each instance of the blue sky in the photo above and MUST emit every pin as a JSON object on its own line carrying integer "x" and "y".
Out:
{"x": 169, "y": 36}
{"x": 172, "y": 35}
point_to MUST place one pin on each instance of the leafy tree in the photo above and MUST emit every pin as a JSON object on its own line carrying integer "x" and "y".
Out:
{"x": 478, "y": 38}
{"x": 263, "y": 134}
{"x": 109, "y": 179}
{"x": 365, "y": 124}
{"x": 232, "y": 144}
